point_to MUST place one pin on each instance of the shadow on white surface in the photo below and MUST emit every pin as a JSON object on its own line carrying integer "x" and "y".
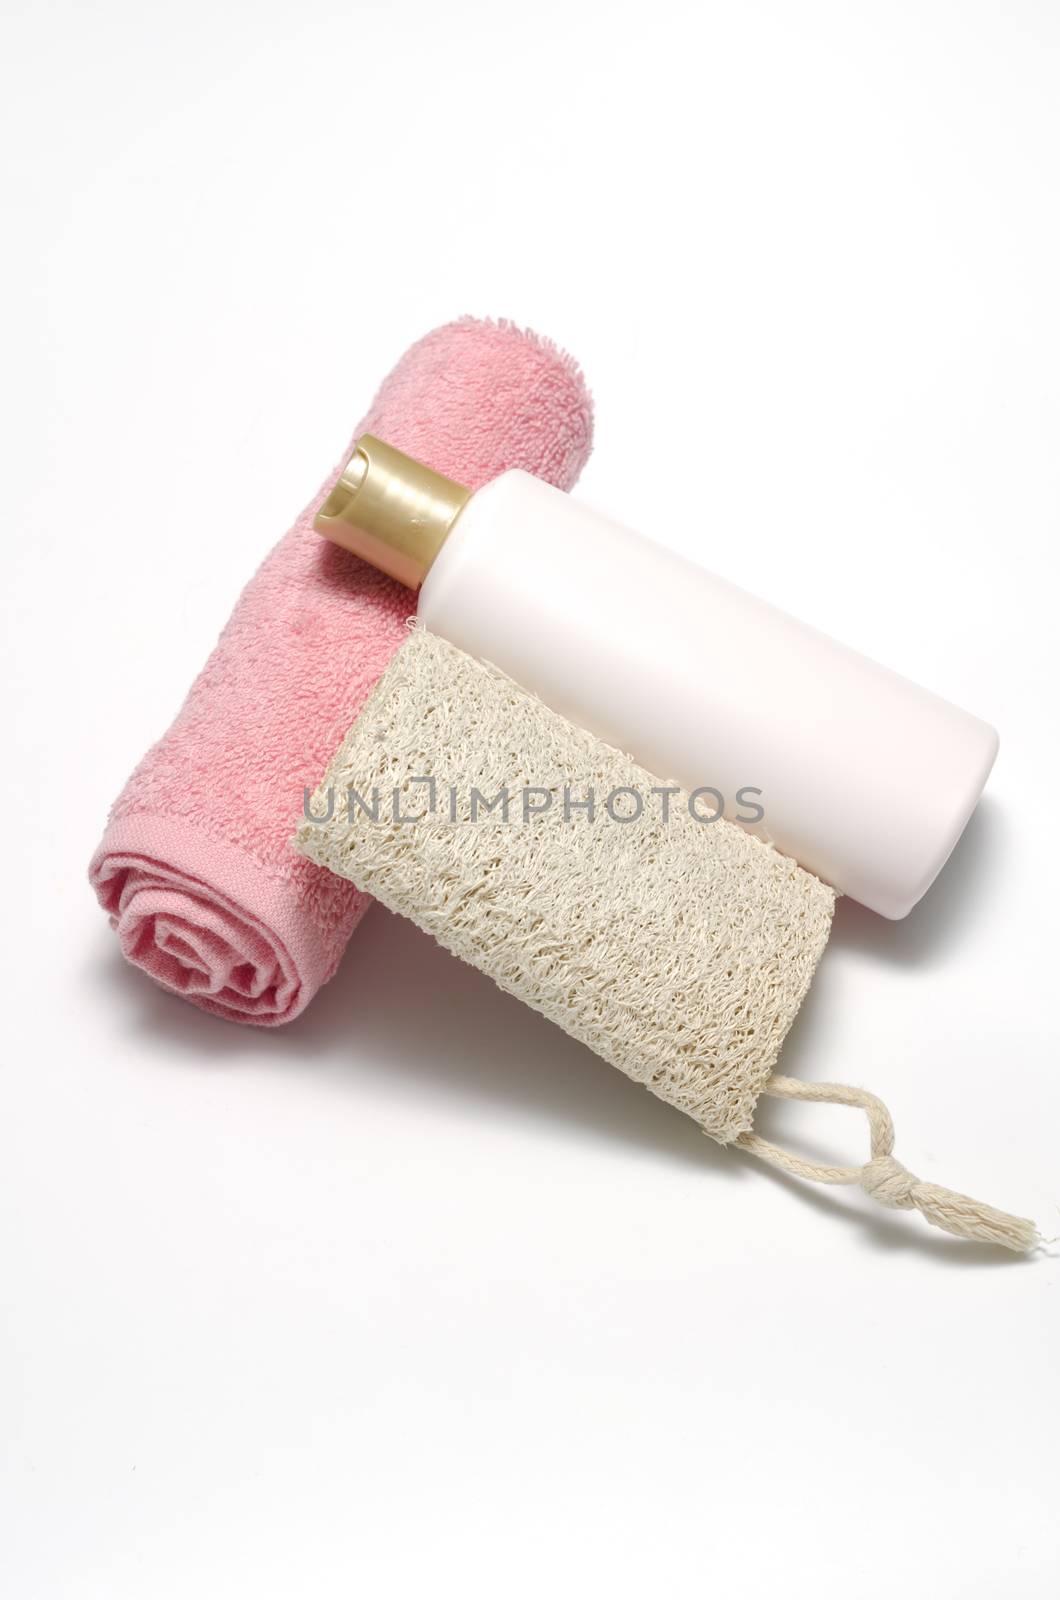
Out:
{"x": 403, "y": 1011}
{"x": 963, "y": 892}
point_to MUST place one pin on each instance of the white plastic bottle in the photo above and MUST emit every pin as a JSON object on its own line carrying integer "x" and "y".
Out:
{"x": 864, "y": 778}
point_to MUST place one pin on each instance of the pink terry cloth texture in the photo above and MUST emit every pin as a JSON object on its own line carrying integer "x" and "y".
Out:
{"x": 196, "y": 867}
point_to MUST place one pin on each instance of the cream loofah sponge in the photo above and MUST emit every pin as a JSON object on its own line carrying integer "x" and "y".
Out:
{"x": 677, "y": 949}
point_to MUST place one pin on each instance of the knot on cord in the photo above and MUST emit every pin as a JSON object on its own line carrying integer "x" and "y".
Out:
{"x": 884, "y": 1178}
{"x": 887, "y": 1181}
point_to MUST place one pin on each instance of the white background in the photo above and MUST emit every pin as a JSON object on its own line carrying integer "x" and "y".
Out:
{"x": 416, "y": 1296}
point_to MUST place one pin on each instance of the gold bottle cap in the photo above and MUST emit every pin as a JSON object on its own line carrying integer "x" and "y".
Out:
{"x": 391, "y": 510}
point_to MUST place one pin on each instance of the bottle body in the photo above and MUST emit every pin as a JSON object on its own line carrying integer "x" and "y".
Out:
{"x": 865, "y": 779}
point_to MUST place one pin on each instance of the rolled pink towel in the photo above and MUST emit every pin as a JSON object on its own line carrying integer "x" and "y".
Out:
{"x": 196, "y": 867}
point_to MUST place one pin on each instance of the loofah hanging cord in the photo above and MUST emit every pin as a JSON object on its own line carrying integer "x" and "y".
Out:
{"x": 679, "y": 953}
{"x": 884, "y": 1178}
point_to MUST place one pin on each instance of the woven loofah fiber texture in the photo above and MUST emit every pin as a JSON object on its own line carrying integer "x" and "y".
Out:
{"x": 679, "y": 951}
